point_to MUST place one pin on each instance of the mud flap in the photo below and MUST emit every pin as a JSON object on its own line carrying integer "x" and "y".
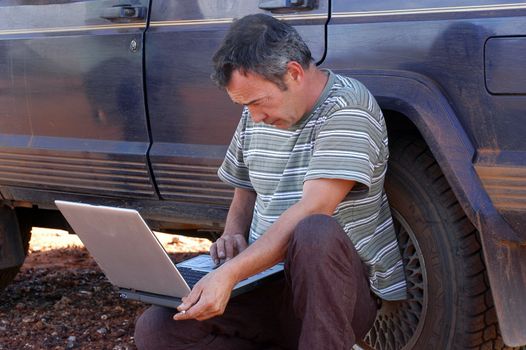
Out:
{"x": 506, "y": 268}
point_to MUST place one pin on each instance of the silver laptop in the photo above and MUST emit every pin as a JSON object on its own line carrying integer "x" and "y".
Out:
{"x": 133, "y": 259}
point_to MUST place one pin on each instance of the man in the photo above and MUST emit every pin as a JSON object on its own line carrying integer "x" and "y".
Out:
{"x": 307, "y": 161}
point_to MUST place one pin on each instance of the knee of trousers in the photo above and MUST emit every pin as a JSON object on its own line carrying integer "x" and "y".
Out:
{"x": 317, "y": 235}
{"x": 150, "y": 325}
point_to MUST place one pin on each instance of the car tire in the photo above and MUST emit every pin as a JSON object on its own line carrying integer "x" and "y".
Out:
{"x": 449, "y": 303}
{"x": 24, "y": 227}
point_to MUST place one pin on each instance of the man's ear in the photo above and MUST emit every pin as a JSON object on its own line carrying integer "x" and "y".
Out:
{"x": 295, "y": 71}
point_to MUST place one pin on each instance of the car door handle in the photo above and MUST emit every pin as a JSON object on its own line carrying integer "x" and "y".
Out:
{"x": 286, "y": 5}
{"x": 124, "y": 11}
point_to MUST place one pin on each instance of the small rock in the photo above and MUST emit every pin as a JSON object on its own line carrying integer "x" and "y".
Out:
{"x": 118, "y": 309}
{"x": 71, "y": 342}
{"x": 28, "y": 320}
{"x": 63, "y": 302}
{"x": 3, "y": 328}
{"x": 120, "y": 347}
{"x": 119, "y": 333}
{"x": 102, "y": 330}
{"x": 104, "y": 317}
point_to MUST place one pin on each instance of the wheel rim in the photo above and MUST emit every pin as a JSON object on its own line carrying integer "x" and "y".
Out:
{"x": 398, "y": 324}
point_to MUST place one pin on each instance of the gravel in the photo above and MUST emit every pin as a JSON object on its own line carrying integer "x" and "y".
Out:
{"x": 62, "y": 300}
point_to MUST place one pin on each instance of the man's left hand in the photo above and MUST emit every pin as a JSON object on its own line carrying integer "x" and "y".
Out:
{"x": 208, "y": 298}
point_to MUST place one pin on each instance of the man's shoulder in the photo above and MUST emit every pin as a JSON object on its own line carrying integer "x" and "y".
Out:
{"x": 349, "y": 84}
{"x": 349, "y": 94}
{"x": 353, "y": 92}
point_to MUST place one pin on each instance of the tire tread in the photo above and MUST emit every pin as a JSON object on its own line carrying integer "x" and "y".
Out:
{"x": 478, "y": 324}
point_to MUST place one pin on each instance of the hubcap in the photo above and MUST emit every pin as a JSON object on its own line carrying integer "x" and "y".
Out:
{"x": 398, "y": 323}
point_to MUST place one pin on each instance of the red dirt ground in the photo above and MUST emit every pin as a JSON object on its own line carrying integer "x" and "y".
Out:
{"x": 61, "y": 299}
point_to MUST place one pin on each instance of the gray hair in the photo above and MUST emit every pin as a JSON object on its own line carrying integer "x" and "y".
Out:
{"x": 259, "y": 44}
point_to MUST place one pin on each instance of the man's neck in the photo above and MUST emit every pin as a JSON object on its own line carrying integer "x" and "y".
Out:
{"x": 315, "y": 84}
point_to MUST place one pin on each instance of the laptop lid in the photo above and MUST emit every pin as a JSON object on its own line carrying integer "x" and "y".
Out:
{"x": 125, "y": 248}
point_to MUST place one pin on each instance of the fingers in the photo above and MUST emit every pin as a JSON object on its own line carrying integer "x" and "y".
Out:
{"x": 217, "y": 251}
{"x": 190, "y": 299}
{"x": 213, "y": 253}
{"x": 226, "y": 247}
{"x": 220, "y": 246}
{"x": 208, "y": 298}
{"x": 201, "y": 311}
{"x": 222, "y": 250}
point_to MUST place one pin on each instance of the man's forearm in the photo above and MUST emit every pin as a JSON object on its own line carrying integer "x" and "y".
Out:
{"x": 319, "y": 197}
{"x": 240, "y": 213}
{"x": 270, "y": 248}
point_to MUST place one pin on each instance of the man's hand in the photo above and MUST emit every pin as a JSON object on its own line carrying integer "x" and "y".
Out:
{"x": 208, "y": 298}
{"x": 226, "y": 247}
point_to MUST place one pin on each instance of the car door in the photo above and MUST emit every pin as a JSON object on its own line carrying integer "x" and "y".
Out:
{"x": 192, "y": 121}
{"x": 72, "y": 116}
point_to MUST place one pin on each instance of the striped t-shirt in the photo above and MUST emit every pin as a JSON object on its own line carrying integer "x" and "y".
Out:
{"x": 343, "y": 137}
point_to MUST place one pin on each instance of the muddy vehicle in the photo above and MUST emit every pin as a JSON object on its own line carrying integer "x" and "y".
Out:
{"x": 110, "y": 102}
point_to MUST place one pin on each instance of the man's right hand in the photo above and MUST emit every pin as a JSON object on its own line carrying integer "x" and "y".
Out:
{"x": 226, "y": 247}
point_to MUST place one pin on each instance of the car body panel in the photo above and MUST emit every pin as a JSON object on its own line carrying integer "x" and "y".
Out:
{"x": 72, "y": 100}
{"x": 192, "y": 120}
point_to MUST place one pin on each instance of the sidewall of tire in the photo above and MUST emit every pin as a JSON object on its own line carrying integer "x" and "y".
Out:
{"x": 412, "y": 195}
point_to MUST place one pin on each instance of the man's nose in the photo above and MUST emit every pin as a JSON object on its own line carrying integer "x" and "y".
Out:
{"x": 257, "y": 116}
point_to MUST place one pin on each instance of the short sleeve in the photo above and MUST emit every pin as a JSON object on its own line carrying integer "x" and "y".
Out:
{"x": 233, "y": 171}
{"x": 347, "y": 147}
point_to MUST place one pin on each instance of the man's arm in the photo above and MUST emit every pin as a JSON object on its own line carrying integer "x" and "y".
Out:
{"x": 320, "y": 196}
{"x": 234, "y": 238}
{"x": 210, "y": 295}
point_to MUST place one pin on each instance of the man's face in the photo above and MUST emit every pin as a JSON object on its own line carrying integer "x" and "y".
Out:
{"x": 266, "y": 102}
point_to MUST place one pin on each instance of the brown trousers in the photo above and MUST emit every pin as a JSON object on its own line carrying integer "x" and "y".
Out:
{"x": 323, "y": 302}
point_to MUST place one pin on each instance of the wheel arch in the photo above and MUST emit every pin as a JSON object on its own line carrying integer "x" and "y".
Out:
{"x": 420, "y": 104}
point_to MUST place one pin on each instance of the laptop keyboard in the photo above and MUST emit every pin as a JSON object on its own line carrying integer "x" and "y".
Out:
{"x": 191, "y": 276}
